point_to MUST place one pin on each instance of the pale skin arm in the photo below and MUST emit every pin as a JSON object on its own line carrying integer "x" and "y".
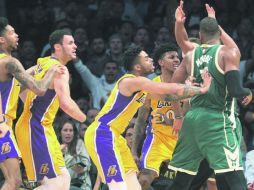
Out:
{"x": 15, "y": 68}
{"x": 67, "y": 104}
{"x": 139, "y": 127}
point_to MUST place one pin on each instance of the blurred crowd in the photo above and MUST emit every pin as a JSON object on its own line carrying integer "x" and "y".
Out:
{"x": 102, "y": 30}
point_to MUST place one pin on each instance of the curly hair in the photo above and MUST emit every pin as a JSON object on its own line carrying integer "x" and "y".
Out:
{"x": 159, "y": 53}
{"x": 130, "y": 57}
{"x": 3, "y": 24}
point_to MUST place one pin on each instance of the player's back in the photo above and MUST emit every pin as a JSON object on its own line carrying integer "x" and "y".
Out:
{"x": 10, "y": 92}
{"x": 119, "y": 109}
{"x": 205, "y": 57}
{"x": 42, "y": 108}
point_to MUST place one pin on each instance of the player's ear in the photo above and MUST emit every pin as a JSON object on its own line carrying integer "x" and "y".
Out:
{"x": 57, "y": 46}
{"x": 137, "y": 67}
{"x": 2, "y": 40}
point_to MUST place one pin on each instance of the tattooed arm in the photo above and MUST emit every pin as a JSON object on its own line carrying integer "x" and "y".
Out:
{"x": 139, "y": 127}
{"x": 15, "y": 68}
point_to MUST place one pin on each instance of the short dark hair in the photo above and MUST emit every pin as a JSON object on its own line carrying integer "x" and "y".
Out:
{"x": 56, "y": 37}
{"x": 159, "y": 53}
{"x": 209, "y": 28}
{"x": 130, "y": 56}
{"x": 3, "y": 24}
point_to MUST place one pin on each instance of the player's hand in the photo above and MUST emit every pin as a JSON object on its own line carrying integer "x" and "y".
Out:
{"x": 58, "y": 69}
{"x": 191, "y": 81}
{"x": 179, "y": 14}
{"x": 207, "y": 79}
{"x": 4, "y": 128}
{"x": 210, "y": 11}
{"x": 247, "y": 99}
{"x": 177, "y": 125}
{"x": 161, "y": 118}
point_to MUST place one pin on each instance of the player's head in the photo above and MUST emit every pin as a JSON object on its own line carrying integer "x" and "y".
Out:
{"x": 209, "y": 29}
{"x": 135, "y": 58}
{"x": 8, "y": 37}
{"x": 166, "y": 57}
{"x": 62, "y": 44}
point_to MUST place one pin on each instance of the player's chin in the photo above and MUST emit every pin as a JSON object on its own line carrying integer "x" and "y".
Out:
{"x": 74, "y": 56}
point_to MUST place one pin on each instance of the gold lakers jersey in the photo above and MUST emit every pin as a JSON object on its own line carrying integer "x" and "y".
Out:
{"x": 10, "y": 93}
{"x": 119, "y": 109}
{"x": 163, "y": 107}
{"x": 42, "y": 108}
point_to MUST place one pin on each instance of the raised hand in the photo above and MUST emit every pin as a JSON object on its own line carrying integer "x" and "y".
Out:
{"x": 161, "y": 118}
{"x": 179, "y": 14}
{"x": 210, "y": 11}
{"x": 59, "y": 69}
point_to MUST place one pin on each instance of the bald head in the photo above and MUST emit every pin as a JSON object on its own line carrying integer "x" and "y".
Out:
{"x": 209, "y": 29}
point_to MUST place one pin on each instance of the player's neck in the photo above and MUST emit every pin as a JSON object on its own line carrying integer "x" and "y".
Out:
{"x": 212, "y": 42}
{"x": 166, "y": 76}
{"x": 4, "y": 50}
{"x": 59, "y": 58}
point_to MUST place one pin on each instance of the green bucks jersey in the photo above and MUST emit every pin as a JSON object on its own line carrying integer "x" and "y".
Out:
{"x": 205, "y": 57}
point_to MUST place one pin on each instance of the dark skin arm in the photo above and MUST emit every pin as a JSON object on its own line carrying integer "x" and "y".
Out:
{"x": 140, "y": 126}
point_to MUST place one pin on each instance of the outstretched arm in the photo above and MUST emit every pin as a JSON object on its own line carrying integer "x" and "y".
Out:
{"x": 15, "y": 68}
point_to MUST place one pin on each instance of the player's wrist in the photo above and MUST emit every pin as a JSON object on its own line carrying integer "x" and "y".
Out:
{"x": 179, "y": 117}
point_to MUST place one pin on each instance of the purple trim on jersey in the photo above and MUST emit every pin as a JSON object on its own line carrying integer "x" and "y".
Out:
{"x": 145, "y": 150}
{"x": 7, "y": 148}
{"x": 40, "y": 151}
{"x": 41, "y": 103}
{"x": 149, "y": 126}
{"x": 5, "y": 88}
{"x": 120, "y": 104}
{"x": 105, "y": 150}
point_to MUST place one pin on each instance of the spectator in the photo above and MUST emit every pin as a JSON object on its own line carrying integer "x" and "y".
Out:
{"x": 28, "y": 53}
{"x": 91, "y": 114}
{"x": 75, "y": 155}
{"x": 116, "y": 49}
{"x": 128, "y": 134}
{"x": 99, "y": 87}
{"x": 82, "y": 129}
{"x": 98, "y": 56}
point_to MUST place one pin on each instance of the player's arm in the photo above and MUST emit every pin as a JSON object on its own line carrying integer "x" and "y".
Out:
{"x": 4, "y": 128}
{"x": 180, "y": 31}
{"x": 232, "y": 75}
{"x": 15, "y": 68}
{"x": 172, "y": 91}
{"x": 67, "y": 104}
{"x": 140, "y": 126}
{"x": 225, "y": 38}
